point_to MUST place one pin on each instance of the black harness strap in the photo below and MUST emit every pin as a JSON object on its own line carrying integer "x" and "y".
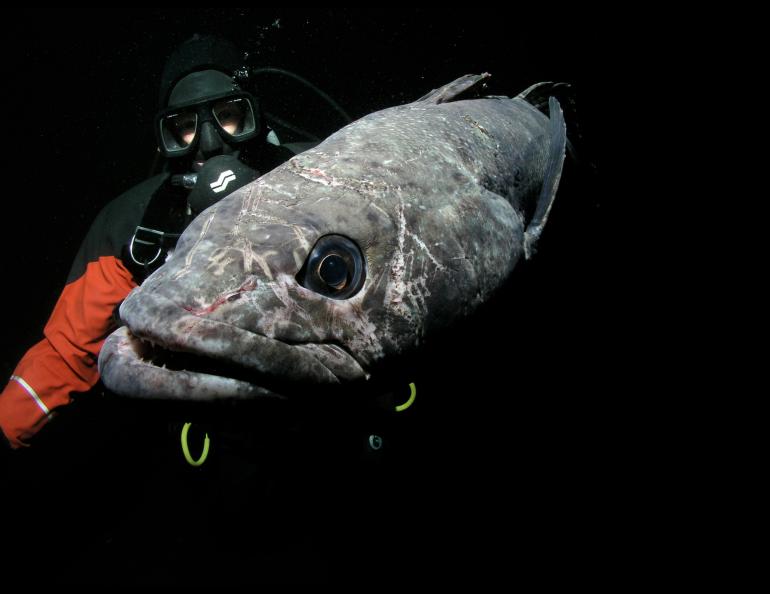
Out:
{"x": 166, "y": 216}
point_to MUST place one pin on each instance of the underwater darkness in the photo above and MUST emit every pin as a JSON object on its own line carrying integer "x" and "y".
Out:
{"x": 509, "y": 468}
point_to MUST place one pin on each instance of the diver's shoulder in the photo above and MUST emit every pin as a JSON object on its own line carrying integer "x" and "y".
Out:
{"x": 139, "y": 195}
{"x": 122, "y": 214}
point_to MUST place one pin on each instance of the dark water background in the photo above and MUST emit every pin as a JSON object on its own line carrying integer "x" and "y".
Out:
{"x": 518, "y": 474}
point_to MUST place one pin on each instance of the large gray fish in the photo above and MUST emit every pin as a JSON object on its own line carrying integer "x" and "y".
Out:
{"x": 348, "y": 255}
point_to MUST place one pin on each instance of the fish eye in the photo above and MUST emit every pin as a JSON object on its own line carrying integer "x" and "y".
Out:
{"x": 334, "y": 268}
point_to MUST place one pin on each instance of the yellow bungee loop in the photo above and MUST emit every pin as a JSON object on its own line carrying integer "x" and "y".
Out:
{"x": 186, "y": 450}
{"x": 408, "y": 403}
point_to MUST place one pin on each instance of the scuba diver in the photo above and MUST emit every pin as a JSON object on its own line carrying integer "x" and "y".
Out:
{"x": 213, "y": 135}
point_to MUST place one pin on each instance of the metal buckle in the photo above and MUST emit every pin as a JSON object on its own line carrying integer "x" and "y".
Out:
{"x": 150, "y": 237}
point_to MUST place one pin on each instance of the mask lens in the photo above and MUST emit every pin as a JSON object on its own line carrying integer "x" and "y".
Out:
{"x": 235, "y": 116}
{"x": 178, "y": 130}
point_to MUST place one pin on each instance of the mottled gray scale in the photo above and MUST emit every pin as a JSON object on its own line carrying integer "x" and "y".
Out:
{"x": 443, "y": 196}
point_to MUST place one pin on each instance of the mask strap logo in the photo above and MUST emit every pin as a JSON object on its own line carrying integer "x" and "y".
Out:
{"x": 223, "y": 181}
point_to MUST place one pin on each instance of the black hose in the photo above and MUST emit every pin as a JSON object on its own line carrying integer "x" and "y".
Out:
{"x": 336, "y": 106}
{"x": 274, "y": 118}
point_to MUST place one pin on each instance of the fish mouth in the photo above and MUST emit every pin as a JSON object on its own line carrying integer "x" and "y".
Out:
{"x": 194, "y": 358}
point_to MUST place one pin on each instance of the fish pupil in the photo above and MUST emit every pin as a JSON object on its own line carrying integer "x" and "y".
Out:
{"x": 333, "y": 271}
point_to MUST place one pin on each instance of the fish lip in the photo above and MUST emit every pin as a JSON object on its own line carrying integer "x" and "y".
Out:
{"x": 255, "y": 362}
{"x": 125, "y": 372}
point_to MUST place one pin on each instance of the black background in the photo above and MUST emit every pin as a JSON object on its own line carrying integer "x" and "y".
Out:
{"x": 82, "y": 91}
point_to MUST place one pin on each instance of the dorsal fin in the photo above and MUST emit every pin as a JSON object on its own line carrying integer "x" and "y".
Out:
{"x": 456, "y": 89}
{"x": 556, "y": 151}
{"x": 538, "y": 94}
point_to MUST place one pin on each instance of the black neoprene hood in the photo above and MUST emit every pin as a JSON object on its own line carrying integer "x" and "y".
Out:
{"x": 201, "y": 85}
{"x": 197, "y": 54}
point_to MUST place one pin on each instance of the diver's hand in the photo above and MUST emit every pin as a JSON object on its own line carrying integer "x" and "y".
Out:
{"x": 220, "y": 176}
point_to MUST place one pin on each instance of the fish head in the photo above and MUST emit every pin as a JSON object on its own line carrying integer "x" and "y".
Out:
{"x": 304, "y": 277}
